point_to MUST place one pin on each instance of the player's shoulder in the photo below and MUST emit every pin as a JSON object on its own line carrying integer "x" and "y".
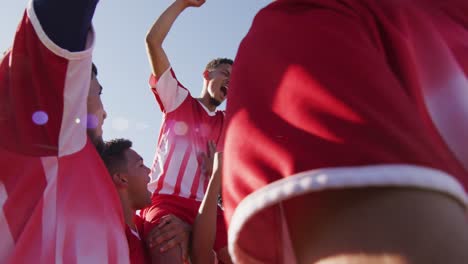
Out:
{"x": 341, "y": 7}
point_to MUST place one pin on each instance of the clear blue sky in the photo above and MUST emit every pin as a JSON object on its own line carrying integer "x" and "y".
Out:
{"x": 200, "y": 34}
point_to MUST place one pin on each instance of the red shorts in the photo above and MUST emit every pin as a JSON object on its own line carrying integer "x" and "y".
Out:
{"x": 183, "y": 208}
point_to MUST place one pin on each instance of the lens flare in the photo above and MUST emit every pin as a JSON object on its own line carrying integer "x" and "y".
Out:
{"x": 204, "y": 130}
{"x": 120, "y": 124}
{"x": 40, "y": 118}
{"x": 180, "y": 128}
{"x": 142, "y": 126}
{"x": 92, "y": 121}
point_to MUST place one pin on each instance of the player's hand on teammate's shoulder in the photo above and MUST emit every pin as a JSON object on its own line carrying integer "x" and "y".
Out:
{"x": 170, "y": 232}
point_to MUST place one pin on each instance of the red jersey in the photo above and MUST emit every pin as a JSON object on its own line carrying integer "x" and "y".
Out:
{"x": 57, "y": 201}
{"x": 135, "y": 243}
{"x": 186, "y": 129}
{"x": 332, "y": 94}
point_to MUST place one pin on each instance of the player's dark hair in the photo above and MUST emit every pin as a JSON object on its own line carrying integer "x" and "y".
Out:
{"x": 213, "y": 64}
{"x": 113, "y": 155}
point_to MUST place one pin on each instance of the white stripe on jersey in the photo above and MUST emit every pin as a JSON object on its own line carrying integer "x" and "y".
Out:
{"x": 49, "y": 210}
{"x": 7, "y": 244}
{"x": 446, "y": 104}
{"x": 72, "y": 135}
{"x": 180, "y": 147}
{"x": 158, "y": 163}
{"x": 444, "y": 87}
{"x": 189, "y": 175}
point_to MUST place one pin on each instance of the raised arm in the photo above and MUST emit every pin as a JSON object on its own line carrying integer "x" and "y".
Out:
{"x": 158, "y": 32}
{"x": 204, "y": 227}
{"x": 66, "y": 23}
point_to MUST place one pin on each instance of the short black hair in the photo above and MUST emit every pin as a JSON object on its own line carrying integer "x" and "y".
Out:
{"x": 213, "y": 64}
{"x": 113, "y": 155}
{"x": 94, "y": 69}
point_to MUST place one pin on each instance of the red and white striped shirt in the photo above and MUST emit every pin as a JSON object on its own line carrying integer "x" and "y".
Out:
{"x": 57, "y": 201}
{"x": 186, "y": 129}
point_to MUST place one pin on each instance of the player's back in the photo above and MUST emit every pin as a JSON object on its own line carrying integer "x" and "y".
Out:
{"x": 355, "y": 83}
{"x": 425, "y": 44}
{"x": 185, "y": 131}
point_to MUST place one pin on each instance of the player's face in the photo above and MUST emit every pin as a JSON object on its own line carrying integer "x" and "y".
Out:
{"x": 96, "y": 112}
{"x": 218, "y": 83}
{"x": 138, "y": 179}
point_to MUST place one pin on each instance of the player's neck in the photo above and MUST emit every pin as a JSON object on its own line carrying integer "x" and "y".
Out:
{"x": 129, "y": 213}
{"x": 130, "y": 219}
{"x": 207, "y": 103}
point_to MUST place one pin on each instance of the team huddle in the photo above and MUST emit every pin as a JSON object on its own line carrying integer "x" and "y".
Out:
{"x": 343, "y": 141}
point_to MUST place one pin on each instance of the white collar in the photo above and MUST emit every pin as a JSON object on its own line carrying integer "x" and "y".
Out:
{"x": 135, "y": 233}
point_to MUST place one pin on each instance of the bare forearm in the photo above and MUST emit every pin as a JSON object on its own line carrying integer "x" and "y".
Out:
{"x": 163, "y": 24}
{"x": 204, "y": 228}
{"x": 156, "y": 35}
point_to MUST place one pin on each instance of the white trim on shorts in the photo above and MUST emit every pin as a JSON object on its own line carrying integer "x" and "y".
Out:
{"x": 398, "y": 175}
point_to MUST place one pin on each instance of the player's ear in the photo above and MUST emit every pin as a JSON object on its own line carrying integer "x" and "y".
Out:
{"x": 120, "y": 179}
{"x": 206, "y": 75}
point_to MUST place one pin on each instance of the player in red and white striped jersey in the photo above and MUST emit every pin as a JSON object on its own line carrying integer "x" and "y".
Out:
{"x": 57, "y": 202}
{"x": 346, "y": 140}
{"x": 178, "y": 177}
